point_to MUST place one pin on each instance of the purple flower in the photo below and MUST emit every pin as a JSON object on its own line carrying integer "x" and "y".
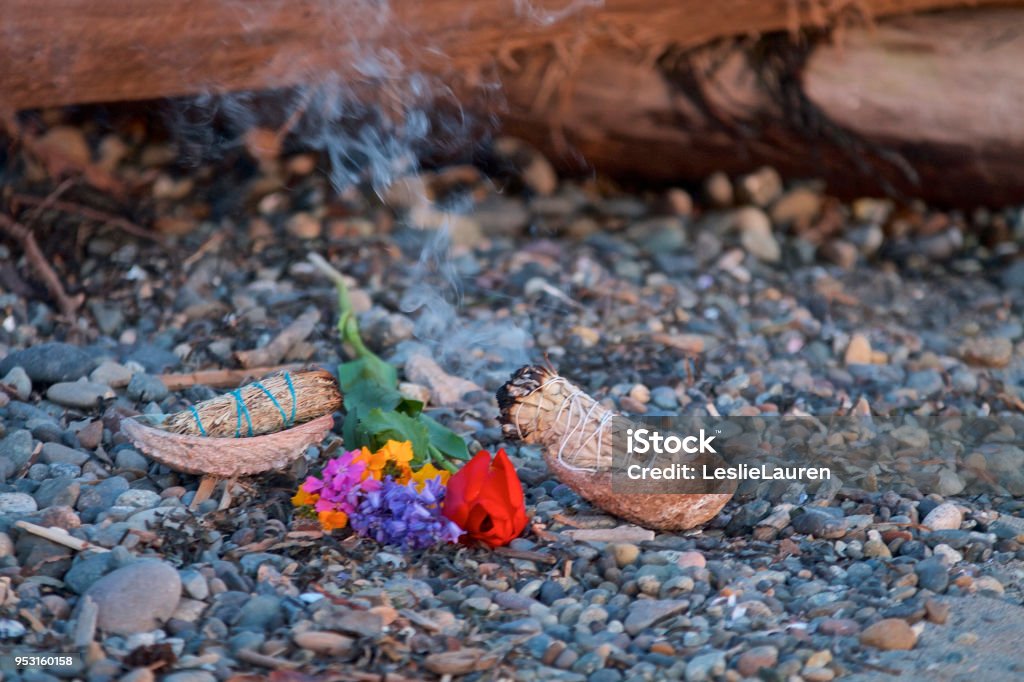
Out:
{"x": 340, "y": 484}
{"x": 401, "y": 515}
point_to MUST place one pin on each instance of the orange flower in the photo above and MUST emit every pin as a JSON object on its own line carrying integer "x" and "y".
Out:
{"x": 485, "y": 499}
{"x": 400, "y": 454}
{"x": 330, "y": 520}
{"x": 428, "y": 472}
{"x": 301, "y": 498}
{"x": 375, "y": 462}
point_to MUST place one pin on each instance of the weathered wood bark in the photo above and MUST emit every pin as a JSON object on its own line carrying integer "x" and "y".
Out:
{"x": 650, "y": 89}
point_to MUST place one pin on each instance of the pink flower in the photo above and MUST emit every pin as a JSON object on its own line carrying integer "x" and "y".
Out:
{"x": 341, "y": 484}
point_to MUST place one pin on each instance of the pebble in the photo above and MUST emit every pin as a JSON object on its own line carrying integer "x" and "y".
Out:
{"x": 932, "y": 574}
{"x": 986, "y": 351}
{"x": 137, "y": 597}
{"x": 327, "y": 643}
{"x": 705, "y": 667}
{"x": 111, "y": 373}
{"x": 139, "y": 499}
{"x": 858, "y": 352}
{"x": 20, "y": 381}
{"x": 17, "y": 503}
{"x": 81, "y": 394}
{"x": 946, "y": 516}
{"x": 146, "y": 388}
{"x": 55, "y": 453}
{"x": 756, "y": 236}
{"x": 625, "y": 553}
{"x": 753, "y": 660}
{"x": 889, "y": 634}
{"x": 761, "y": 187}
{"x": 49, "y": 363}
{"x": 645, "y": 613}
{"x": 691, "y": 559}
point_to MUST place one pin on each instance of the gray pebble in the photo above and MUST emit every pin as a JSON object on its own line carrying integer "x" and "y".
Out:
{"x": 49, "y": 363}
{"x": 52, "y": 453}
{"x": 79, "y": 394}
{"x": 17, "y": 503}
{"x": 112, "y": 374}
{"x": 20, "y": 381}
{"x": 146, "y": 388}
{"x": 137, "y": 597}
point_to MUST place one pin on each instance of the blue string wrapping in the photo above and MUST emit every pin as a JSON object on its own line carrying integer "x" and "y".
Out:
{"x": 291, "y": 389}
{"x": 284, "y": 415}
{"x": 242, "y": 410}
{"x": 199, "y": 422}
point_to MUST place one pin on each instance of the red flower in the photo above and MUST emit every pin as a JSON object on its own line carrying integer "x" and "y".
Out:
{"x": 485, "y": 499}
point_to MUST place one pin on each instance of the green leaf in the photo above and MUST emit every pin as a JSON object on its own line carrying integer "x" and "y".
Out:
{"x": 367, "y": 369}
{"x": 448, "y": 443}
{"x": 384, "y": 426}
{"x": 409, "y": 407}
{"x": 367, "y": 395}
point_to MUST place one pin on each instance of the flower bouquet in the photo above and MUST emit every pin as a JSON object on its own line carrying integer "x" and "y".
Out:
{"x": 380, "y": 496}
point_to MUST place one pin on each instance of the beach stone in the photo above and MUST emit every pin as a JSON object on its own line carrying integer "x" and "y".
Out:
{"x": 691, "y": 559}
{"x": 798, "y": 206}
{"x": 756, "y": 236}
{"x": 932, "y": 574}
{"x": 18, "y": 379}
{"x": 190, "y": 676}
{"x": 16, "y": 449}
{"x": 936, "y": 612}
{"x": 858, "y": 352}
{"x": 947, "y": 516}
{"x": 87, "y": 569}
{"x": 49, "y": 363}
{"x": 624, "y": 553}
{"x": 890, "y": 634}
{"x": 81, "y": 394}
{"x": 839, "y": 627}
{"x": 137, "y": 597}
{"x": 327, "y": 643}
{"x": 6, "y": 545}
{"x": 130, "y": 460}
{"x": 62, "y": 491}
{"x": 17, "y": 503}
{"x": 146, "y": 388}
{"x": 140, "y": 499}
{"x": 95, "y": 498}
{"x": 761, "y": 187}
{"x": 262, "y": 612}
{"x": 54, "y": 453}
{"x": 645, "y": 613}
{"x": 91, "y": 435}
{"x": 752, "y": 660}
{"x": 705, "y": 667}
{"x": 983, "y": 351}
{"x": 111, "y": 373}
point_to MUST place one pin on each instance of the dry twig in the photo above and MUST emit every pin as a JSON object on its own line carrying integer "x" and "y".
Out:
{"x": 273, "y": 352}
{"x": 59, "y": 536}
{"x": 68, "y": 304}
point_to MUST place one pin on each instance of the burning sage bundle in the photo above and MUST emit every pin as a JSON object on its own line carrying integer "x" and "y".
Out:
{"x": 576, "y": 433}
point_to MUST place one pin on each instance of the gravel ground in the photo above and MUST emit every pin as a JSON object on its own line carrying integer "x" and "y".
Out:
{"x": 757, "y": 297}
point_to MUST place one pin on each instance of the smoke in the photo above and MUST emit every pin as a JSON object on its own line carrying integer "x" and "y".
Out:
{"x": 374, "y": 125}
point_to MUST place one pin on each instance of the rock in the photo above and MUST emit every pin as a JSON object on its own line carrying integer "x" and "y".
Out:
{"x": 799, "y": 206}
{"x": 190, "y": 676}
{"x": 691, "y": 559}
{"x": 625, "y": 553}
{"x": 100, "y": 496}
{"x": 304, "y": 225}
{"x": 53, "y": 453}
{"x": 137, "y": 597}
{"x": 948, "y": 555}
{"x": 17, "y": 503}
{"x": 50, "y": 363}
{"x": 752, "y": 660}
{"x": 665, "y": 398}
{"x": 932, "y": 574}
{"x": 146, "y": 388}
{"x": 15, "y": 451}
{"x": 756, "y": 234}
{"x": 949, "y": 483}
{"x": 111, "y": 373}
{"x": 839, "y": 627}
{"x": 839, "y": 252}
{"x": 819, "y": 524}
{"x": 327, "y": 643}
{"x": 858, "y": 352}
{"x": 130, "y": 460}
{"x": 761, "y": 187}
{"x": 153, "y": 359}
{"x": 947, "y": 516}
{"x": 86, "y": 569}
{"x": 645, "y": 613}
{"x": 6, "y": 546}
{"x": 62, "y": 491}
{"x": 911, "y": 436}
{"x": 705, "y": 667}
{"x": 140, "y": 499}
{"x": 91, "y": 435}
{"x": 987, "y": 583}
{"x": 936, "y": 612}
{"x": 81, "y": 394}
{"x": 890, "y": 634}
{"x": 718, "y": 189}
{"x": 658, "y": 235}
{"x": 446, "y": 389}
{"x": 18, "y": 380}
{"x": 986, "y": 351}
{"x": 262, "y": 612}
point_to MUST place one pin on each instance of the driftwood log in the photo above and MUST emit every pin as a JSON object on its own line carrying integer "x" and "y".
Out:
{"x": 872, "y": 95}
